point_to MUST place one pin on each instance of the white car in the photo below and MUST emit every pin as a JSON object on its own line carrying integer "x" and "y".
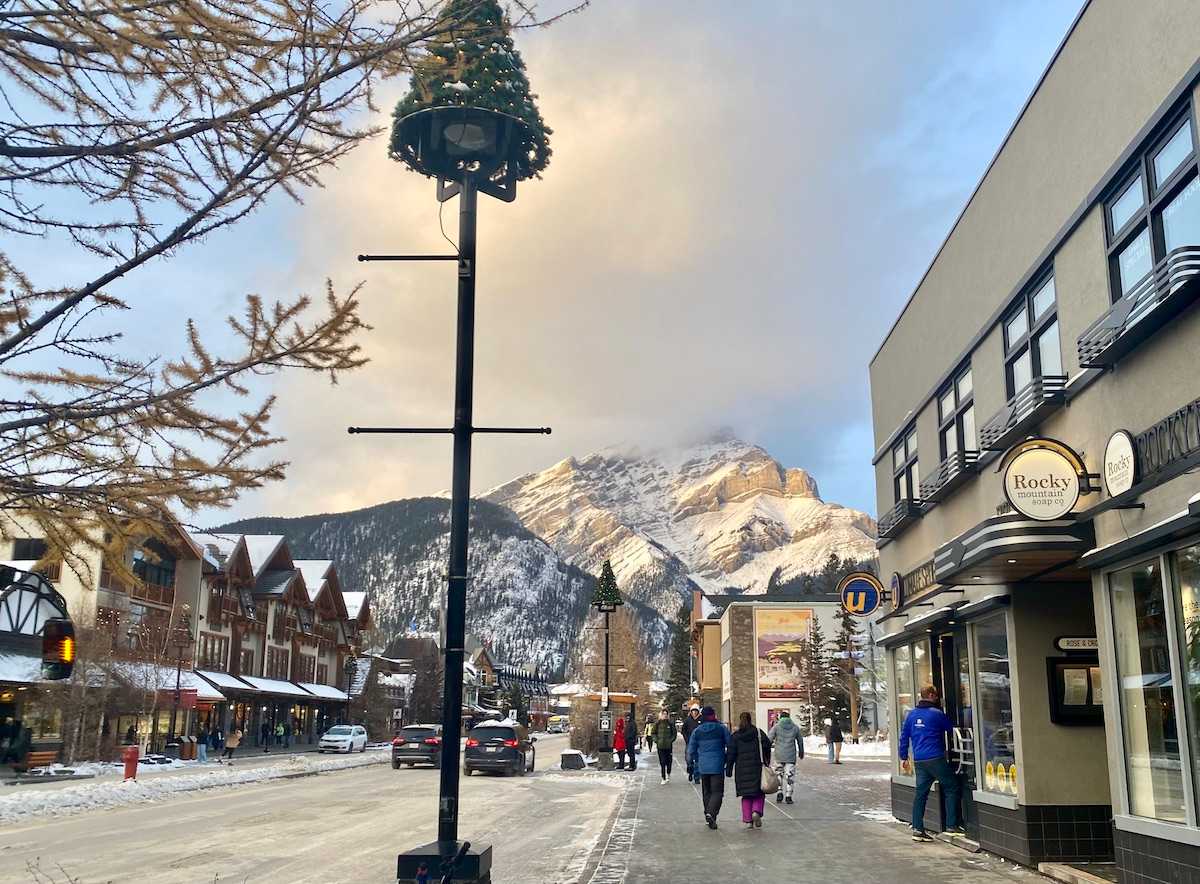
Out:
{"x": 344, "y": 738}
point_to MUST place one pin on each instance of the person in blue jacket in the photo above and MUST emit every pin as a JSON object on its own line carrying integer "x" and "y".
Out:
{"x": 926, "y": 728}
{"x": 706, "y": 755}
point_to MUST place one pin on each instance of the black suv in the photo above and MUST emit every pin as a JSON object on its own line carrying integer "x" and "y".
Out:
{"x": 417, "y": 743}
{"x": 499, "y": 746}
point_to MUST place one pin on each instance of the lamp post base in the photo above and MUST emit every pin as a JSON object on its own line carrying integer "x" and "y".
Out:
{"x": 604, "y": 758}
{"x": 475, "y": 865}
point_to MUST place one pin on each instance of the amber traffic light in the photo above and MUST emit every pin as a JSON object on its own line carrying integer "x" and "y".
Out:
{"x": 58, "y": 649}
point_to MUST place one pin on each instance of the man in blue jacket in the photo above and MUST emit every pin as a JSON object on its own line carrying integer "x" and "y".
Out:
{"x": 706, "y": 755}
{"x": 926, "y": 728}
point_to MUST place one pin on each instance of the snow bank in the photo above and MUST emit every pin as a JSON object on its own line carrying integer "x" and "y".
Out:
{"x": 815, "y": 746}
{"x": 29, "y": 803}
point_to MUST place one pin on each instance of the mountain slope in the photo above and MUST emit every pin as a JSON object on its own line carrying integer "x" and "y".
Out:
{"x": 525, "y": 601}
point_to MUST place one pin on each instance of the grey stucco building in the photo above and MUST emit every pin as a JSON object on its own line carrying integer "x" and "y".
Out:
{"x": 1037, "y": 429}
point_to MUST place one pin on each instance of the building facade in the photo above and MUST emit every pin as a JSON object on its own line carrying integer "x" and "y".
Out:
{"x": 1037, "y": 424}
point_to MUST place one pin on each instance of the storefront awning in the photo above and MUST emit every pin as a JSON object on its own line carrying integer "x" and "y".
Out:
{"x": 1012, "y": 549}
{"x": 224, "y": 680}
{"x": 1175, "y": 527}
{"x": 152, "y": 677}
{"x": 960, "y": 612}
{"x": 19, "y": 668}
{"x": 324, "y": 691}
{"x": 275, "y": 686}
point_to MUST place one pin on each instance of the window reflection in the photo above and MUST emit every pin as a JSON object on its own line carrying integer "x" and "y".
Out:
{"x": 1150, "y": 733}
{"x": 1134, "y": 262}
{"x": 1126, "y": 205}
{"x": 998, "y": 738}
{"x": 1187, "y": 581}
{"x": 1172, "y": 154}
{"x": 1181, "y": 218}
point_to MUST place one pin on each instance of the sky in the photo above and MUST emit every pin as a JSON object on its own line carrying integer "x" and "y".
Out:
{"x": 740, "y": 200}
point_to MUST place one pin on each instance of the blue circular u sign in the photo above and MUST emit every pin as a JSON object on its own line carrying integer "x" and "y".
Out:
{"x": 861, "y": 593}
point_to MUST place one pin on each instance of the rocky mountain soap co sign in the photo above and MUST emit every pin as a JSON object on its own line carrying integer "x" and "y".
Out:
{"x": 1120, "y": 463}
{"x": 1042, "y": 482}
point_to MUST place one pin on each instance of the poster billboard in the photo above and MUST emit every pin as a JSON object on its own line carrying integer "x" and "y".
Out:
{"x": 779, "y": 634}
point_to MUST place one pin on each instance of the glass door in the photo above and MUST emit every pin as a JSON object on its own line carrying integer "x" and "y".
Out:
{"x": 955, "y": 670}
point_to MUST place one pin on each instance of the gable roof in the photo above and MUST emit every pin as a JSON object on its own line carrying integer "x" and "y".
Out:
{"x": 354, "y": 603}
{"x": 275, "y": 582}
{"x": 316, "y": 575}
{"x": 263, "y": 549}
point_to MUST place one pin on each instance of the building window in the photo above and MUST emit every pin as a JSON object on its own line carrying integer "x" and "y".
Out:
{"x": 305, "y": 668}
{"x": 1031, "y": 345}
{"x": 1148, "y": 717}
{"x": 956, "y": 415}
{"x": 323, "y": 673}
{"x": 1156, "y": 208}
{"x": 214, "y": 652}
{"x": 246, "y": 662}
{"x": 28, "y": 549}
{"x": 154, "y": 564}
{"x": 1186, "y": 571}
{"x": 998, "y": 751}
{"x": 277, "y": 663}
{"x": 906, "y": 474}
{"x": 905, "y": 694}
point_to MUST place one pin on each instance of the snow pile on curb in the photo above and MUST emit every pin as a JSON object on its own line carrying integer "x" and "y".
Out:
{"x": 76, "y": 799}
{"x": 815, "y": 746}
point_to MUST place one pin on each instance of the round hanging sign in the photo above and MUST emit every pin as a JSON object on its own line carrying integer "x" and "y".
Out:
{"x": 1120, "y": 463}
{"x": 1041, "y": 483}
{"x": 861, "y": 593}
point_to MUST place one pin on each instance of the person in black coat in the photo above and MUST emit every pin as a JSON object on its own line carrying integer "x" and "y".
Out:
{"x": 632, "y": 739}
{"x": 748, "y": 748}
{"x": 690, "y": 724}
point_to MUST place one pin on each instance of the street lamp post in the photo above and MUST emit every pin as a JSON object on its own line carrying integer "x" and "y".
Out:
{"x": 606, "y": 600}
{"x": 350, "y": 667}
{"x": 182, "y": 639}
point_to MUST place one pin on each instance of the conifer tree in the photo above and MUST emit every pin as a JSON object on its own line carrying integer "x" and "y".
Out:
{"x": 474, "y": 64}
{"x": 607, "y": 593}
{"x": 843, "y": 644}
{"x": 679, "y": 678}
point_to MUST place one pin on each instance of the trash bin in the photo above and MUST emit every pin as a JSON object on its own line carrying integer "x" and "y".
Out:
{"x": 187, "y": 750}
{"x": 171, "y": 750}
{"x": 129, "y": 755}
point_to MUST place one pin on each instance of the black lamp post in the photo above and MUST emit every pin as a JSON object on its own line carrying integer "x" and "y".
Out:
{"x": 606, "y": 600}
{"x": 182, "y": 639}
{"x": 350, "y": 667}
{"x": 468, "y": 150}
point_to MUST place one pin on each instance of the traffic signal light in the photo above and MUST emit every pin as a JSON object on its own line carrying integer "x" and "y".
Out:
{"x": 58, "y": 649}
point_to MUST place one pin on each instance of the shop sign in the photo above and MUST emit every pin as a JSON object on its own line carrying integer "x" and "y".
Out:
{"x": 1174, "y": 438}
{"x": 916, "y": 582}
{"x": 861, "y": 593}
{"x": 1042, "y": 480}
{"x": 1120, "y": 463}
{"x": 1077, "y": 643}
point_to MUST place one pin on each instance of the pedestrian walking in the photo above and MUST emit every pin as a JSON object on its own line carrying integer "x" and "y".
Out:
{"x": 216, "y": 742}
{"x": 787, "y": 743}
{"x": 619, "y": 742}
{"x": 690, "y": 724}
{"x": 279, "y": 734}
{"x": 202, "y": 744}
{"x": 649, "y": 734}
{"x": 264, "y": 732}
{"x": 663, "y": 735}
{"x": 706, "y": 754}
{"x": 287, "y": 735}
{"x": 926, "y": 728}
{"x": 833, "y": 740}
{"x": 632, "y": 741}
{"x": 748, "y": 752}
{"x": 234, "y": 740}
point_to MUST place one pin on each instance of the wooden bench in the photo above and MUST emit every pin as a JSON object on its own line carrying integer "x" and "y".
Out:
{"x": 36, "y": 758}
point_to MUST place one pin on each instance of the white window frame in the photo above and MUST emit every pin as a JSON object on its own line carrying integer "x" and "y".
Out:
{"x": 981, "y": 795}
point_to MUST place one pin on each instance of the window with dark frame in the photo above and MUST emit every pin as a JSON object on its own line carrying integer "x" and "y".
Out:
{"x": 1156, "y": 207}
{"x": 1031, "y": 343}
{"x": 906, "y": 474}
{"x": 956, "y": 415}
{"x": 28, "y": 549}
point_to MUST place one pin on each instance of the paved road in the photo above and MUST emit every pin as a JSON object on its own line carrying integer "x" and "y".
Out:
{"x": 345, "y": 827}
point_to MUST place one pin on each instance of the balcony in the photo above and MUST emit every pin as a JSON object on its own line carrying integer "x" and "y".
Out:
{"x": 950, "y": 473}
{"x": 154, "y": 593}
{"x": 899, "y": 518}
{"x": 1147, "y": 307}
{"x": 1033, "y": 404}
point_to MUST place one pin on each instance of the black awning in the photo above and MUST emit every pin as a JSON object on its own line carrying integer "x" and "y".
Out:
{"x": 1012, "y": 548}
{"x": 1179, "y": 526}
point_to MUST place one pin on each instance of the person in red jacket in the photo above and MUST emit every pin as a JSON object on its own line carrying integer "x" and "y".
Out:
{"x": 619, "y": 742}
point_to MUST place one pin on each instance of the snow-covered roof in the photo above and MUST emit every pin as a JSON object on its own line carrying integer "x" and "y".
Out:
{"x": 261, "y": 548}
{"x": 354, "y": 602}
{"x": 324, "y": 691}
{"x": 275, "y": 686}
{"x": 273, "y": 582}
{"x": 150, "y": 676}
{"x": 315, "y": 573}
{"x": 224, "y": 680}
{"x": 362, "y": 672}
{"x": 18, "y": 668}
{"x": 569, "y": 689}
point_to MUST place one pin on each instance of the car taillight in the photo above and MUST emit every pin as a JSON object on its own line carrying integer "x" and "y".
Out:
{"x": 437, "y": 741}
{"x": 396, "y": 741}
{"x": 472, "y": 742}
{"x": 512, "y": 744}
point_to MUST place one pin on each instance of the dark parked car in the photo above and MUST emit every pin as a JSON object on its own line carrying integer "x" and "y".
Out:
{"x": 506, "y": 748}
{"x": 418, "y": 743}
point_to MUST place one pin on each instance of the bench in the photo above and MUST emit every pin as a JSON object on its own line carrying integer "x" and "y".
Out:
{"x": 36, "y": 758}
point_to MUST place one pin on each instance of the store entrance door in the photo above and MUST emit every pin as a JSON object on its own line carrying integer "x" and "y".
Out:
{"x": 954, "y": 667}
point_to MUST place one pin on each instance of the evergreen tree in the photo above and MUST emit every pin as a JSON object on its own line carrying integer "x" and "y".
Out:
{"x": 843, "y": 644}
{"x": 824, "y": 690}
{"x": 679, "y": 678}
{"x": 517, "y": 704}
{"x": 607, "y": 592}
{"x": 476, "y": 65}
{"x": 426, "y": 702}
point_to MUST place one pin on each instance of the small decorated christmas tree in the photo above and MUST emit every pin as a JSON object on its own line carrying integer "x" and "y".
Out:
{"x": 475, "y": 65}
{"x": 607, "y": 597}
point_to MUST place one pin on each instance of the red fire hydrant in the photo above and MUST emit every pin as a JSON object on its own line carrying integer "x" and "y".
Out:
{"x": 130, "y": 756}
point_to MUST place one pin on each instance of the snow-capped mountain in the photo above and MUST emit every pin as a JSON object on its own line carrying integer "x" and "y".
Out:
{"x": 722, "y": 513}
{"x": 526, "y": 603}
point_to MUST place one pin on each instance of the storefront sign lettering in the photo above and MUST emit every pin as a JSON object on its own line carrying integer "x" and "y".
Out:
{"x": 1173, "y": 438}
{"x": 1069, "y": 643}
{"x": 916, "y": 582}
{"x": 1120, "y": 463}
{"x": 1042, "y": 483}
{"x": 861, "y": 593}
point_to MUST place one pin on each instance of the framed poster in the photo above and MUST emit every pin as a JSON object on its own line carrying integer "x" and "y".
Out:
{"x": 779, "y": 638}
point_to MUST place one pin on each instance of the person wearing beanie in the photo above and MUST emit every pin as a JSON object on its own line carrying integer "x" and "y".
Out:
{"x": 706, "y": 752}
{"x": 689, "y": 725}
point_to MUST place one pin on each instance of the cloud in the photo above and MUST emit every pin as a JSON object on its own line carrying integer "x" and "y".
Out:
{"x": 739, "y": 200}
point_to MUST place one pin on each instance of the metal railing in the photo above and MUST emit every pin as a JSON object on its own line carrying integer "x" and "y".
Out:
{"x": 950, "y": 473}
{"x": 1023, "y": 411}
{"x": 899, "y": 517}
{"x": 1144, "y": 308}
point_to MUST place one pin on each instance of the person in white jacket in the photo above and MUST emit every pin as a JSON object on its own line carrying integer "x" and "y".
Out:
{"x": 787, "y": 745}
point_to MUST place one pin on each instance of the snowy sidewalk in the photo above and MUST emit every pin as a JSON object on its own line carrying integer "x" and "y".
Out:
{"x": 834, "y": 832}
{"x": 21, "y": 803}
